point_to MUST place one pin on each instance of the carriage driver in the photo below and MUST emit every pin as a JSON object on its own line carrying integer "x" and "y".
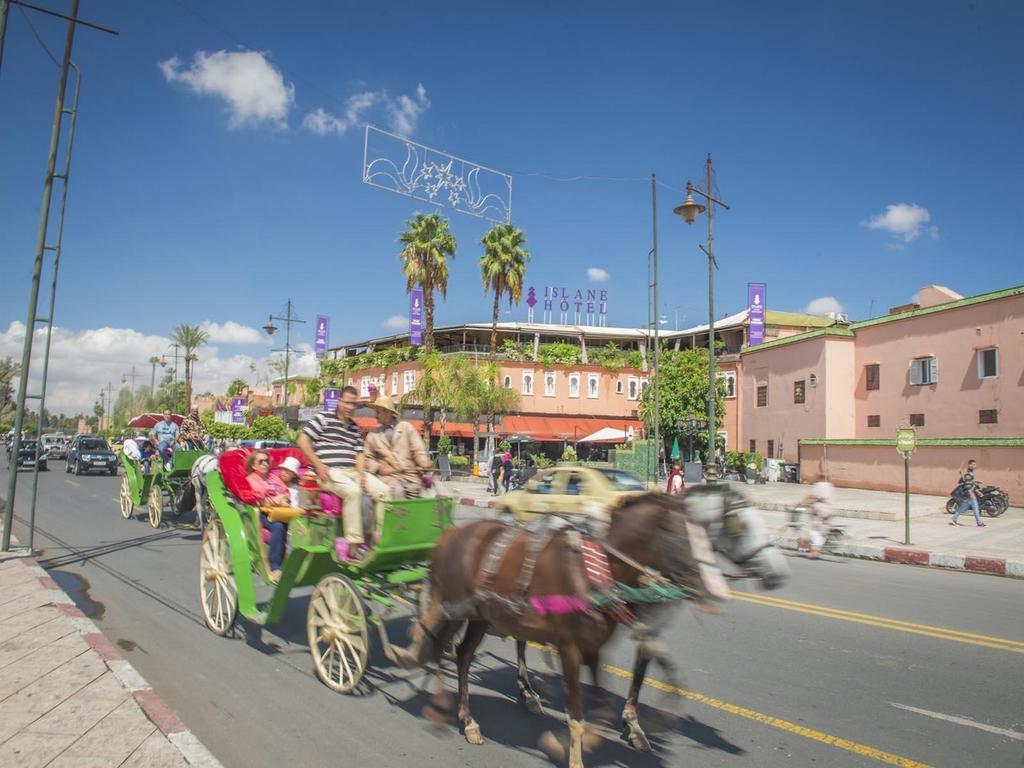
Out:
{"x": 333, "y": 444}
{"x": 165, "y": 435}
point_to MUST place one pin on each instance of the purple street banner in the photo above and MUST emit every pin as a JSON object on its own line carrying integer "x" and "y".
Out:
{"x": 238, "y": 410}
{"x": 322, "y": 323}
{"x": 756, "y": 293}
{"x": 331, "y": 399}
{"x": 416, "y": 317}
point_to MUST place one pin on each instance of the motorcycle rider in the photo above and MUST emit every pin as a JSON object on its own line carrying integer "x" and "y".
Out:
{"x": 968, "y": 486}
{"x": 819, "y": 512}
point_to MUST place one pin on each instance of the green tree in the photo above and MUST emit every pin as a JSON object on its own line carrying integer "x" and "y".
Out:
{"x": 479, "y": 394}
{"x": 428, "y": 245}
{"x": 268, "y": 428}
{"x": 683, "y": 379}
{"x": 190, "y": 338}
{"x": 236, "y": 387}
{"x": 438, "y": 388}
{"x": 503, "y": 269}
{"x": 9, "y": 370}
{"x": 311, "y": 393}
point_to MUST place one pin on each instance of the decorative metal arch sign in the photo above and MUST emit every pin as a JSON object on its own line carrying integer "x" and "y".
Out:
{"x": 400, "y": 165}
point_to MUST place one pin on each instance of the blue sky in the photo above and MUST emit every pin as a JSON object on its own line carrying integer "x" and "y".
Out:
{"x": 186, "y": 206}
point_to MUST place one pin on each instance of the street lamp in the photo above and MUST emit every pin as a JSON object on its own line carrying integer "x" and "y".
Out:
{"x": 288, "y": 319}
{"x": 689, "y": 211}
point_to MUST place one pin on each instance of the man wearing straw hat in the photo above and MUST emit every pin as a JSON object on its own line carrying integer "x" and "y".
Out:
{"x": 395, "y": 452}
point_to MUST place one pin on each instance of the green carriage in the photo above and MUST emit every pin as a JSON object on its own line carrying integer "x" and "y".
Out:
{"x": 159, "y": 489}
{"x": 349, "y": 600}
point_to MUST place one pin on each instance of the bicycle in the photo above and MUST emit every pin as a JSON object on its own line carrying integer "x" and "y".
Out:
{"x": 796, "y": 533}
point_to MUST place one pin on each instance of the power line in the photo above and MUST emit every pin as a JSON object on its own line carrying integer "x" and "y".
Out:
{"x": 38, "y": 37}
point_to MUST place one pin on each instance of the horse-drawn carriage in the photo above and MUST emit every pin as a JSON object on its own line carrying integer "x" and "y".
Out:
{"x": 158, "y": 489}
{"x": 348, "y": 597}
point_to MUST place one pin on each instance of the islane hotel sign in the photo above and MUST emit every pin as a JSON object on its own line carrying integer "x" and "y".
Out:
{"x": 578, "y": 306}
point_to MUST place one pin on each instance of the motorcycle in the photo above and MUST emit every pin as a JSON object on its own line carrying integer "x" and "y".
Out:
{"x": 992, "y": 500}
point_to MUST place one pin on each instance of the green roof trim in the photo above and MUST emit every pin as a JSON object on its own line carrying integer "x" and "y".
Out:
{"x": 832, "y": 330}
{"x": 979, "y": 442}
{"x": 777, "y": 317}
{"x": 966, "y": 302}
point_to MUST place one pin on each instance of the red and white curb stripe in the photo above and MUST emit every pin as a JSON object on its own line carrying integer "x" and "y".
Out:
{"x": 469, "y": 501}
{"x": 996, "y": 566}
{"x": 159, "y": 713}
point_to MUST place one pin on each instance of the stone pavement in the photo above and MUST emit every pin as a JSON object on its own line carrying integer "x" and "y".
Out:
{"x": 873, "y": 522}
{"x": 67, "y": 697}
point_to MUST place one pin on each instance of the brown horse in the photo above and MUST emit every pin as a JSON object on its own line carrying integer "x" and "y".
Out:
{"x": 486, "y": 573}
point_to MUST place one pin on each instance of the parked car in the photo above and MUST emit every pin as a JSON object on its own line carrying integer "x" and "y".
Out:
{"x": 89, "y": 453}
{"x": 590, "y": 491}
{"x": 29, "y": 453}
{"x": 56, "y": 446}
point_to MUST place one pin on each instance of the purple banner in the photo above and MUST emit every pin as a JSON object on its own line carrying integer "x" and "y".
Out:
{"x": 331, "y": 399}
{"x": 238, "y": 410}
{"x": 322, "y": 323}
{"x": 756, "y": 293}
{"x": 416, "y": 317}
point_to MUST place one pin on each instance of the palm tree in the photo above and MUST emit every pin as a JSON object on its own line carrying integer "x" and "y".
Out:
{"x": 502, "y": 268}
{"x": 479, "y": 395}
{"x": 428, "y": 246}
{"x": 438, "y": 388}
{"x": 190, "y": 338}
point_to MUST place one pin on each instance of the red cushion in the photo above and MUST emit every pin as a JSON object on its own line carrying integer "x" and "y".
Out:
{"x": 232, "y": 470}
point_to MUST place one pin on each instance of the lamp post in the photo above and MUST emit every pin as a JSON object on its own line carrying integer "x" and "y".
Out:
{"x": 288, "y": 319}
{"x": 689, "y": 211}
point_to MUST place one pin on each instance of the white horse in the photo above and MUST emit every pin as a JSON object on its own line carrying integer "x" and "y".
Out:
{"x": 199, "y": 497}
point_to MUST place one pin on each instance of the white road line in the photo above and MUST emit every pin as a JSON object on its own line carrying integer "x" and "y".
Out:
{"x": 963, "y": 721}
{"x": 73, "y": 482}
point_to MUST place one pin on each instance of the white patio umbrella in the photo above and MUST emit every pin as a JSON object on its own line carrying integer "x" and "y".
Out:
{"x": 605, "y": 435}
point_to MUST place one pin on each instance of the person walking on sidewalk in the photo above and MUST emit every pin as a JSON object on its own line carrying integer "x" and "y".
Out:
{"x": 968, "y": 488}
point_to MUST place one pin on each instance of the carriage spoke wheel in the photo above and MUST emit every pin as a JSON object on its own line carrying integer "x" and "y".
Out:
{"x": 156, "y": 506}
{"x": 337, "y": 629}
{"x": 217, "y": 587}
{"x": 125, "y": 499}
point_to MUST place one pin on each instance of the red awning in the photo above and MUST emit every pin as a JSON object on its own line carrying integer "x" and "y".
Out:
{"x": 545, "y": 428}
{"x": 150, "y": 420}
{"x": 452, "y": 428}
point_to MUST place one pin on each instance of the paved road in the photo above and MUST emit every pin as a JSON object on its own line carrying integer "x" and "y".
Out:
{"x": 855, "y": 663}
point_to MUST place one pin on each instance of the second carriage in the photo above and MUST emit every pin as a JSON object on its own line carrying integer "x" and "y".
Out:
{"x": 158, "y": 490}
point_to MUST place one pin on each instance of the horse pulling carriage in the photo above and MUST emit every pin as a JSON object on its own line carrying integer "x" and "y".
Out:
{"x": 159, "y": 489}
{"x": 348, "y": 597}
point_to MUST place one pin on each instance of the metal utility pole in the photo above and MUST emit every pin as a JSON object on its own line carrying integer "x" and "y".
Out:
{"x": 288, "y": 319}
{"x": 4, "y": 5}
{"x": 125, "y": 378}
{"x": 656, "y": 318}
{"x": 154, "y": 361}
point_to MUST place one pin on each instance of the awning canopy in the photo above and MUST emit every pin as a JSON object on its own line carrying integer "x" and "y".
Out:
{"x": 572, "y": 429}
{"x": 606, "y": 435}
{"x": 150, "y": 420}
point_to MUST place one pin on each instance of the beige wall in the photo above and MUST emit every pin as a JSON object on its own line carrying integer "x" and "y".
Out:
{"x": 951, "y": 405}
{"x": 933, "y": 469}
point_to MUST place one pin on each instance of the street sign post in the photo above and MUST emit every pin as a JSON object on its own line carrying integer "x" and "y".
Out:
{"x": 906, "y": 442}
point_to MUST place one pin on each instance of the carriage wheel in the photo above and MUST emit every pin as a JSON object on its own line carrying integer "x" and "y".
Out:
{"x": 217, "y": 587}
{"x": 156, "y": 506}
{"x": 125, "y": 499}
{"x": 337, "y": 629}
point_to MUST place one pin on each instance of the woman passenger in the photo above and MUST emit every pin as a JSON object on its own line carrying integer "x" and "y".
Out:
{"x": 272, "y": 492}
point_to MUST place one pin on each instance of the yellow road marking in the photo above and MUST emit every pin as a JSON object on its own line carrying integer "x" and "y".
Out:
{"x": 898, "y": 625}
{"x": 862, "y": 750}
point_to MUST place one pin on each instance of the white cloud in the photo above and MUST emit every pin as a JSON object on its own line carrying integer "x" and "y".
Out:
{"x": 232, "y": 333}
{"x": 402, "y": 113}
{"x": 597, "y": 275}
{"x": 904, "y": 221}
{"x": 397, "y": 322}
{"x": 253, "y": 88}
{"x": 823, "y": 305}
{"x": 84, "y": 362}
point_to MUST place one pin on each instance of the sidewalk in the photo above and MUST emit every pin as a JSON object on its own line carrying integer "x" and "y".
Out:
{"x": 67, "y": 697}
{"x": 874, "y": 527}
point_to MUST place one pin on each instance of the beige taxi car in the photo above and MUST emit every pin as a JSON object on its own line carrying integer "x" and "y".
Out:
{"x": 590, "y": 491}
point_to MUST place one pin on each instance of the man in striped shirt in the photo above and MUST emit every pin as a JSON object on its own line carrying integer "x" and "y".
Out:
{"x": 333, "y": 445}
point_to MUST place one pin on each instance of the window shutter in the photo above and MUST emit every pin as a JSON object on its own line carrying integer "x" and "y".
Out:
{"x": 934, "y": 363}
{"x": 915, "y": 372}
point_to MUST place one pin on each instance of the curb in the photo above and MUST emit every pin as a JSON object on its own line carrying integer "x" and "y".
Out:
{"x": 469, "y": 501}
{"x": 994, "y": 566}
{"x": 159, "y": 713}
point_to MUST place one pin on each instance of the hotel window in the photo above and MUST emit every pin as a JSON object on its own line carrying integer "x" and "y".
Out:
{"x": 924, "y": 370}
{"x": 729, "y": 377}
{"x": 634, "y": 388}
{"x": 409, "y": 381}
{"x": 753, "y": 446}
{"x": 874, "y": 421}
{"x": 364, "y": 386}
{"x": 527, "y": 383}
{"x": 574, "y": 385}
{"x": 507, "y": 382}
{"x": 762, "y": 396}
{"x": 350, "y": 381}
{"x": 549, "y": 384}
{"x": 990, "y": 416}
{"x": 988, "y": 363}
{"x": 872, "y": 376}
{"x": 593, "y": 384}
{"x": 643, "y": 386}
{"x": 771, "y": 449}
{"x": 394, "y": 383}
{"x": 618, "y": 387}
{"x": 799, "y": 392}
{"x": 917, "y": 419}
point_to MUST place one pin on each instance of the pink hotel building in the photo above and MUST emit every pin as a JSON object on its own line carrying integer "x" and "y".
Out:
{"x": 820, "y": 391}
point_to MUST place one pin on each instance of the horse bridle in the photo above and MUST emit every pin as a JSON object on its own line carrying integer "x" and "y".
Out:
{"x": 732, "y": 515}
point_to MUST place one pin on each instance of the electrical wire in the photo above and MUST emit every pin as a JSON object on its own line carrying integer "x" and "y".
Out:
{"x": 38, "y": 37}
